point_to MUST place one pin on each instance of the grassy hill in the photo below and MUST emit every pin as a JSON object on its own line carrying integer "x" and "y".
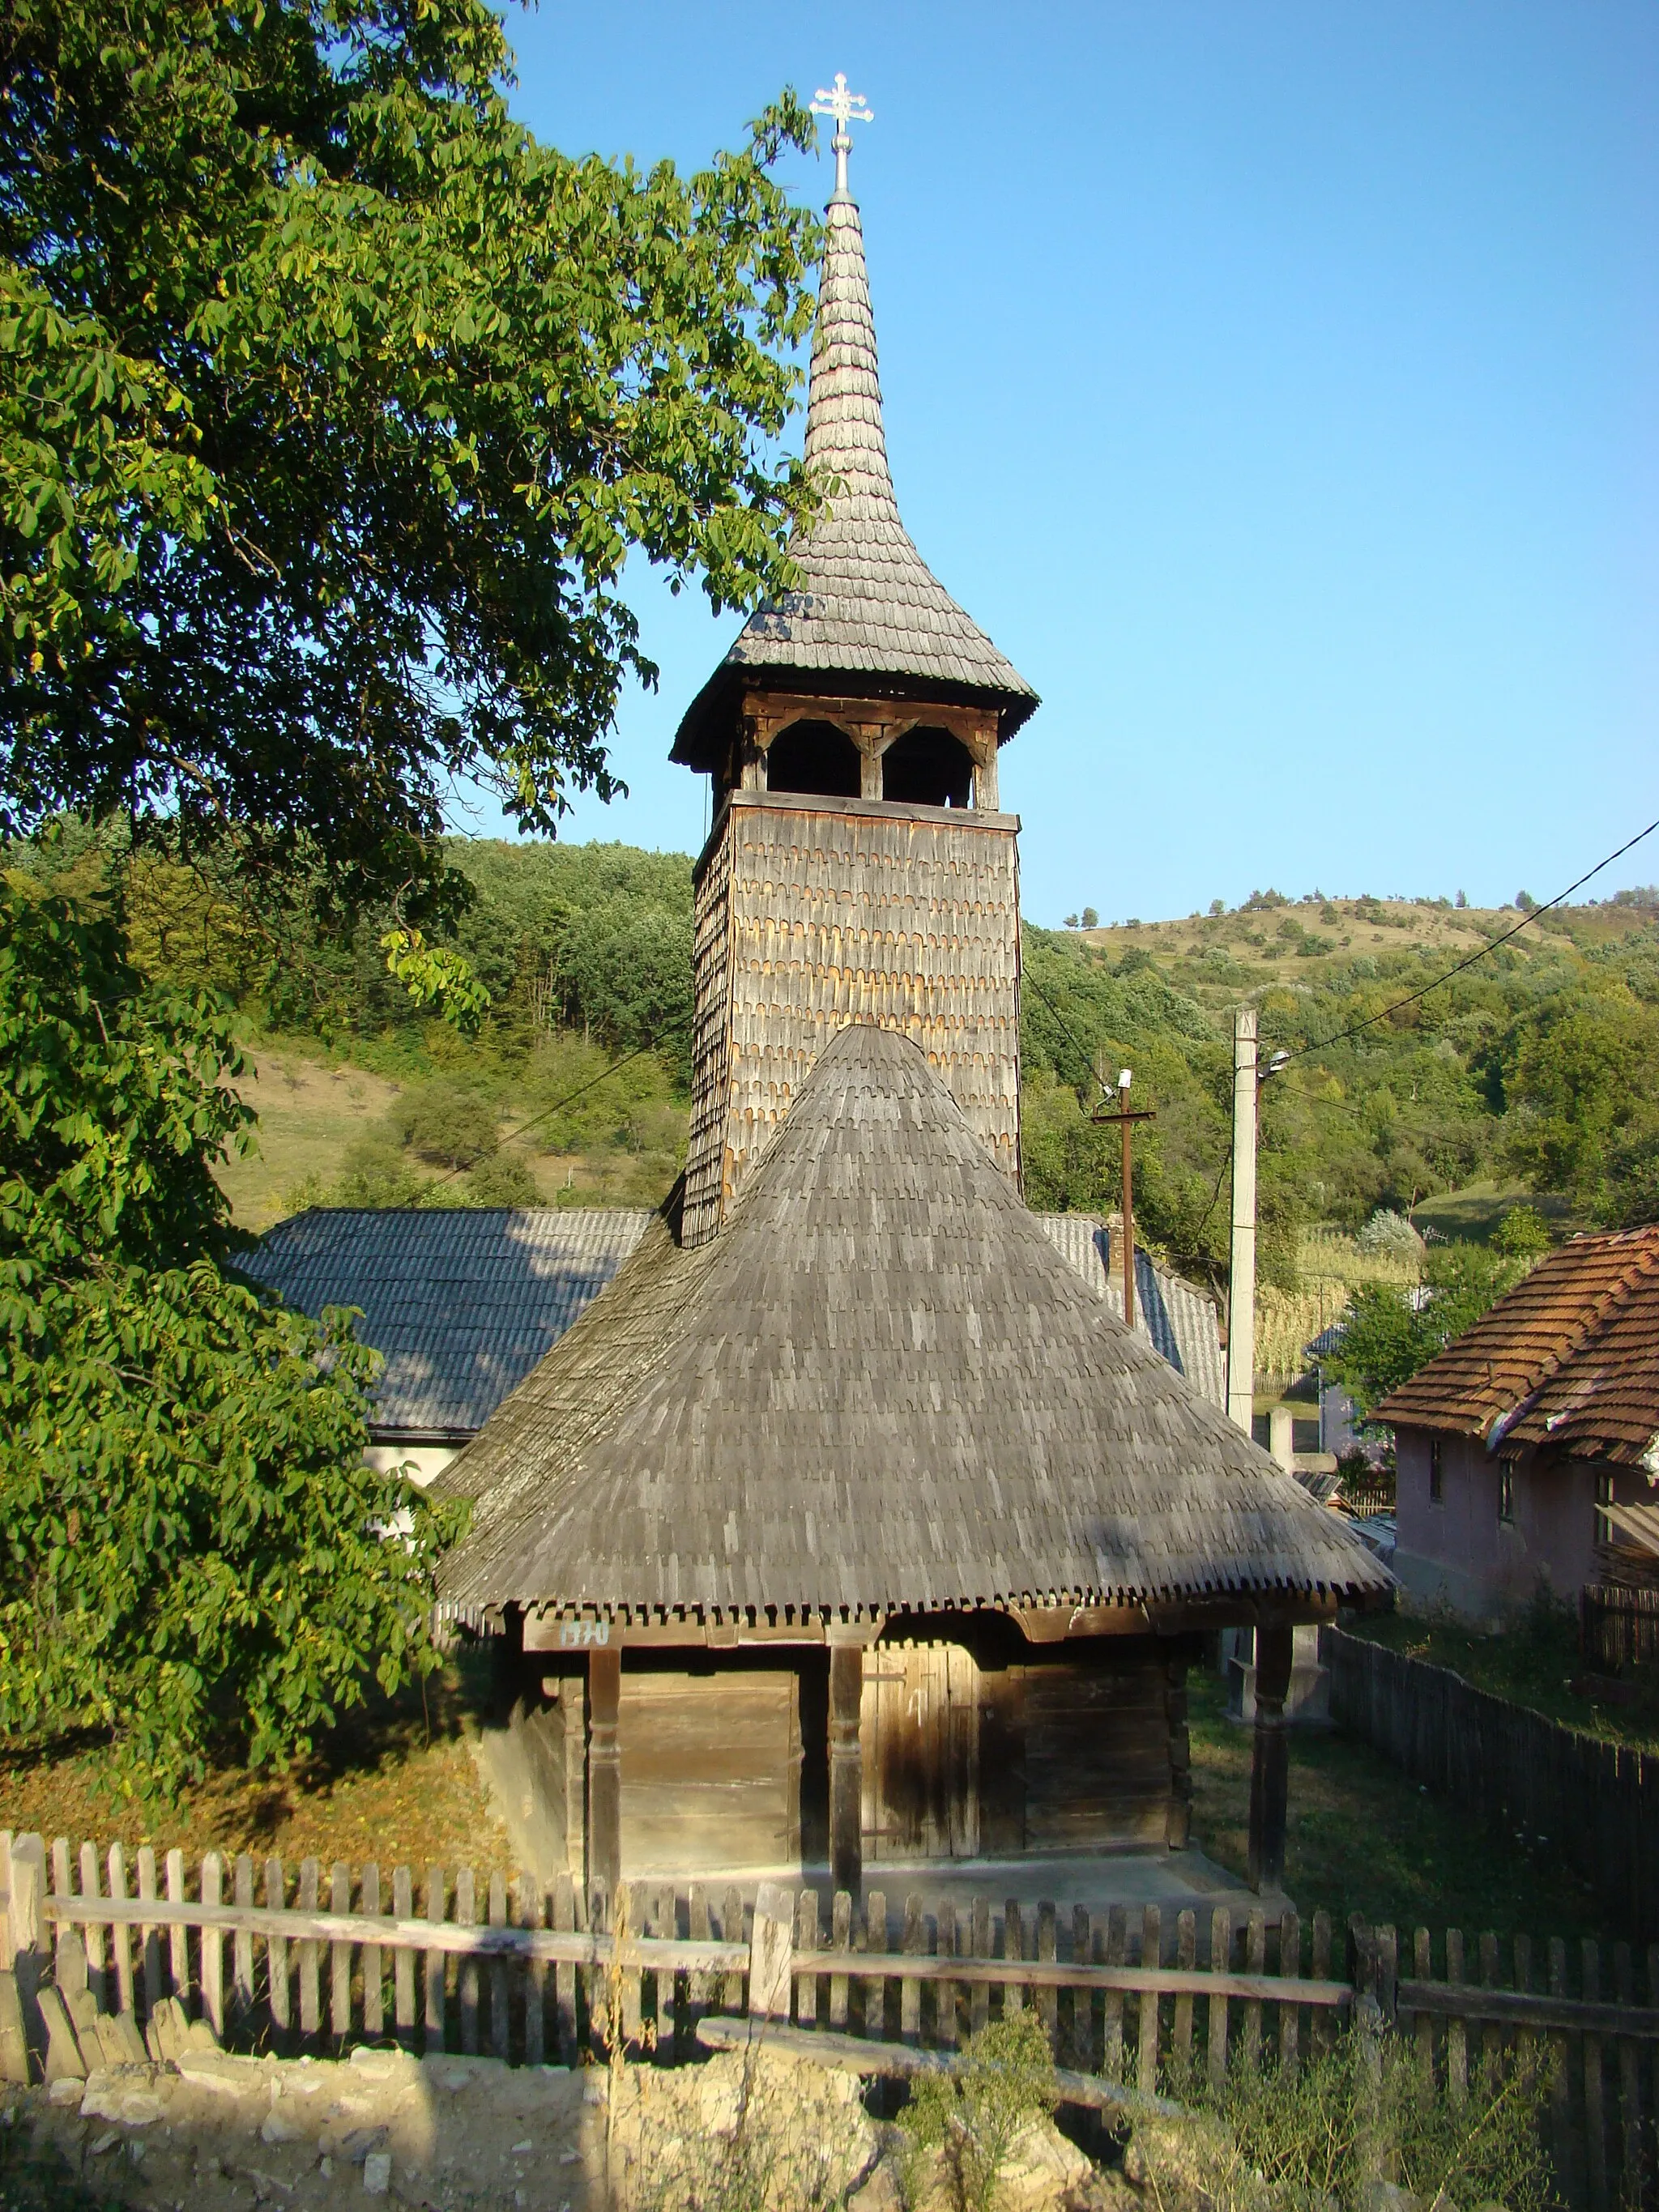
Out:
{"x": 1533, "y": 1074}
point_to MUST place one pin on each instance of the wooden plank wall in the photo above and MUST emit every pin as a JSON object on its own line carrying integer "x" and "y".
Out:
{"x": 710, "y": 1770}
{"x": 811, "y": 915}
{"x": 1598, "y": 1803}
{"x": 1051, "y": 1756}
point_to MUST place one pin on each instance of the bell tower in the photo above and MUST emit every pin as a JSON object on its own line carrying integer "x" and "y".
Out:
{"x": 859, "y": 867}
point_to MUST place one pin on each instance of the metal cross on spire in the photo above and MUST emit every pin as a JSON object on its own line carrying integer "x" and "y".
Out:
{"x": 846, "y": 107}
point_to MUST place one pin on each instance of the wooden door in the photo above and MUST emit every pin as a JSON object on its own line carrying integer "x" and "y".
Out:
{"x": 918, "y": 1733}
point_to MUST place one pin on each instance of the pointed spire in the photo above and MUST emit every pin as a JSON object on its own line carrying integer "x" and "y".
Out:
{"x": 845, "y": 435}
{"x": 868, "y": 605}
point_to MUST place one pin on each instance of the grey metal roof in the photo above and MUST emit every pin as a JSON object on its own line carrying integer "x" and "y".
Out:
{"x": 880, "y": 1387}
{"x": 1176, "y": 1317}
{"x": 461, "y": 1301}
{"x": 868, "y": 605}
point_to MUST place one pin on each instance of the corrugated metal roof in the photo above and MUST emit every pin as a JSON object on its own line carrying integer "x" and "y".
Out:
{"x": 461, "y": 1301}
{"x": 1569, "y": 1358}
{"x": 881, "y": 1386}
{"x": 1176, "y": 1317}
{"x": 868, "y": 605}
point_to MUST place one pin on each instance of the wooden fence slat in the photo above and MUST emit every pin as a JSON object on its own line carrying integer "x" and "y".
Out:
{"x": 466, "y": 1915}
{"x": 1422, "y": 1970}
{"x": 596, "y": 1903}
{"x": 403, "y": 1959}
{"x": 875, "y": 1989}
{"x": 1151, "y": 1953}
{"x": 213, "y": 1946}
{"x": 698, "y": 1985}
{"x": 732, "y": 1932}
{"x": 1492, "y": 2035}
{"x": 1320, "y": 2029}
{"x": 1014, "y": 1947}
{"x": 1457, "y": 2044}
{"x": 1596, "y": 2129}
{"x": 1221, "y": 1954}
{"x": 1083, "y": 2002}
{"x": 150, "y": 1933}
{"x": 1290, "y": 2014}
{"x": 841, "y": 1937}
{"x": 60, "y": 1885}
{"x": 311, "y": 1999}
{"x": 437, "y": 1963}
{"x": 807, "y": 1934}
{"x": 1630, "y": 2084}
{"x": 177, "y": 1935}
{"x": 372, "y": 1955}
{"x": 339, "y": 1956}
{"x": 532, "y": 1908}
{"x": 564, "y": 1977}
{"x": 241, "y": 1949}
{"x": 979, "y": 2000}
{"x": 1181, "y": 2038}
{"x": 1117, "y": 1944}
{"x": 501, "y": 2037}
{"x": 952, "y": 1941}
{"x": 1562, "y": 2143}
{"x": 277, "y": 1986}
{"x": 910, "y": 1988}
{"x": 1255, "y": 1962}
{"x": 660, "y": 1921}
{"x": 1047, "y": 1949}
{"x": 96, "y": 1979}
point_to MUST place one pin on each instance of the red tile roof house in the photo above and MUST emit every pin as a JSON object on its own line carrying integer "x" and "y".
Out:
{"x": 1521, "y": 1446}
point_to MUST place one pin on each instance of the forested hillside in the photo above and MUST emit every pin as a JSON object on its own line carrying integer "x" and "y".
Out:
{"x": 1534, "y": 1070}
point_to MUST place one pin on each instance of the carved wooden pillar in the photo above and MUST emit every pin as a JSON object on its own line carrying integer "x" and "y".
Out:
{"x": 846, "y": 1767}
{"x": 1270, "y": 1764}
{"x": 603, "y": 1765}
{"x": 985, "y": 778}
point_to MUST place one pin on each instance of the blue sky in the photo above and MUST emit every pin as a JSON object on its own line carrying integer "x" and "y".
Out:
{"x": 1274, "y": 382}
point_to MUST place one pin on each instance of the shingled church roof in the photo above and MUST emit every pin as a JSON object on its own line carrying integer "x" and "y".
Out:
{"x": 880, "y": 1387}
{"x": 868, "y": 606}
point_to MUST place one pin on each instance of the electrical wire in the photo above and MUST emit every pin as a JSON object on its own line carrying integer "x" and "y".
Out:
{"x": 1066, "y": 1029}
{"x": 1324, "y": 1044}
{"x": 558, "y": 1107}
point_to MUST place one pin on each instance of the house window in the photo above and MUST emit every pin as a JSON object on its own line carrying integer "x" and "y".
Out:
{"x": 1436, "y": 1475}
{"x": 1505, "y": 1492}
{"x": 1603, "y": 1499}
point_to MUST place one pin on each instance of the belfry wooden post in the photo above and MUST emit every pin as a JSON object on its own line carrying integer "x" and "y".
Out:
{"x": 846, "y": 1767}
{"x": 1270, "y": 1763}
{"x": 603, "y": 1765}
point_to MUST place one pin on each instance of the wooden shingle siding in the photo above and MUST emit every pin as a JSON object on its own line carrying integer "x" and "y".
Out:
{"x": 834, "y": 914}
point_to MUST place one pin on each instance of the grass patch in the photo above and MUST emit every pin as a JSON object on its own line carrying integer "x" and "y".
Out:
{"x": 396, "y": 1782}
{"x": 1363, "y": 1837}
{"x": 1533, "y": 1662}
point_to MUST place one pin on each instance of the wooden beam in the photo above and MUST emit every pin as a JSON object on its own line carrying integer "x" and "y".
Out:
{"x": 603, "y": 1766}
{"x": 846, "y": 1768}
{"x": 1270, "y": 1763}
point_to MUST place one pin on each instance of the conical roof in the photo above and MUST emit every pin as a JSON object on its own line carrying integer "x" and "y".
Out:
{"x": 882, "y": 1387}
{"x": 869, "y": 606}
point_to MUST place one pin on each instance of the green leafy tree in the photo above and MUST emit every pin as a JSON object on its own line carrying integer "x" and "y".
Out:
{"x": 331, "y": 406}
{"x": 1390, "y": 1332}
{"x": 194, "y": 1553}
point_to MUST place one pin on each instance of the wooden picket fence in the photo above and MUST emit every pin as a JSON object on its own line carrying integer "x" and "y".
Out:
{"x": 1618, "y": 1627}
{"x": 1510, "y": 1770}
{"x": 271, "y": 1957}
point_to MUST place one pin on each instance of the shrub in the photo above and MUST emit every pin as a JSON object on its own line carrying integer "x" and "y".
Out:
{"x": 447, "y": 1125}
{"x": 976, "y": 2116}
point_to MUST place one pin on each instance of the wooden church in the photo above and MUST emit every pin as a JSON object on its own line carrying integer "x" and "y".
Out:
{"x": 846, "y": 1526}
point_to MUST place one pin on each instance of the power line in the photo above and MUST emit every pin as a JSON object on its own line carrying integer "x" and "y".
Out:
{"x": 558, "y": 1107}
{"x": 1066, "y": 1029}
{"x": 1531, "y": 915}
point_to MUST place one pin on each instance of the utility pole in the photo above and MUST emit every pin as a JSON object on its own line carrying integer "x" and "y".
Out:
{"x": 1240, "y": 1283}
{"x": 1126, "y": 1118}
